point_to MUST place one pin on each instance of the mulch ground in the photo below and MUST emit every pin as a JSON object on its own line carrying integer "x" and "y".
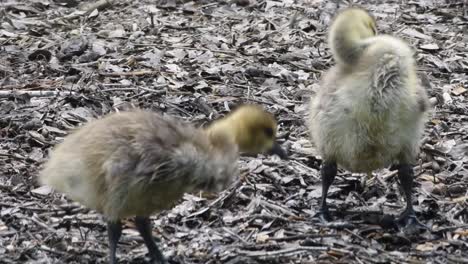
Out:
{"x": 65, "y": 62}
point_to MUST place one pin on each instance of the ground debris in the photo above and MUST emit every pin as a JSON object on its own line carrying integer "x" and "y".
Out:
{"x": 65, "y": 63}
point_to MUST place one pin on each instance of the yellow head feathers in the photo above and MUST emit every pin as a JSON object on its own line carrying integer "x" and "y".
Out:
{"x": 347, "y": 31}
{"x": 251, "y": 128}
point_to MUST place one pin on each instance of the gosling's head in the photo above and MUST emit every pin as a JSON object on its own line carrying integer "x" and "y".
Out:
{"x": 359, "y": 20}
{"x": 252, "y": 129}
{"x": 350, "y": 25}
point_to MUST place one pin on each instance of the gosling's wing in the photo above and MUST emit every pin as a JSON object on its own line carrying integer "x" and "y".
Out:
{"x": 151, "y": 152}
{"x": 326, "y": 94}
{"x": 422, "y": 100}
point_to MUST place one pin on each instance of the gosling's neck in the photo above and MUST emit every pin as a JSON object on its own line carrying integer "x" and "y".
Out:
{"x": 224, "y": 133}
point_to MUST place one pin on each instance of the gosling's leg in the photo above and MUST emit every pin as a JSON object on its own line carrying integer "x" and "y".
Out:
{"x": 143, "y": 225}
{"x": 114, "y": 231}
{"x": 406, "y": 175}
{"x": 328, "y": 173}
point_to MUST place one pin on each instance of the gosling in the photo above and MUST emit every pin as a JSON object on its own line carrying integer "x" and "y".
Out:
{"x": 138, "y": 163}
{"x": 370, "y": 110}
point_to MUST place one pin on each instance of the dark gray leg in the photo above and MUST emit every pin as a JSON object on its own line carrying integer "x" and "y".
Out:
{"x": 143, "y": 225}
{"x": 406, "y": 175}
{"x": 328, "y": 173}
{"x": 114, "y": 231}
{"x": 408, "y": 217}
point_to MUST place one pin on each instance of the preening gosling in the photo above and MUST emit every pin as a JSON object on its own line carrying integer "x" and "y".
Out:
{"x": 369, "y": 112}
{"x": 137, "y": 163}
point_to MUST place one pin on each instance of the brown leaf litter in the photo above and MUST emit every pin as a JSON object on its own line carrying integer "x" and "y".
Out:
{"x": 64, "y": 64}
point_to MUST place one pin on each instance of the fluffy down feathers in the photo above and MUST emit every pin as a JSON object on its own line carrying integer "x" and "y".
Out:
{"x": 137, "y": 163}
{"x": 369, "y": 110}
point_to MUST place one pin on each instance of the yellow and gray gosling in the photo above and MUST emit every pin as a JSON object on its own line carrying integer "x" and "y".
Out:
{"x": 138, "y": 163}
{"x": 369, "y": 112}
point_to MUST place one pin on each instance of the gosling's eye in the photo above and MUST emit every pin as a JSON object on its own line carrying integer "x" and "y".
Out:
{"x": 268, "y": 132}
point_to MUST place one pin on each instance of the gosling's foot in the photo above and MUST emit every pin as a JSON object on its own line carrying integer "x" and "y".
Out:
{"x": 327, "y": 221}
{"x": 324, "y": 216}
{"x": 157, "y": 260}
{"x": 410, "y": 224}
{"x": 156, "y": 257}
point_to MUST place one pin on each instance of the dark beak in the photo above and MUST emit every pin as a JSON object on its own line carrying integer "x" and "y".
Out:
{"x": 278, "y": 150}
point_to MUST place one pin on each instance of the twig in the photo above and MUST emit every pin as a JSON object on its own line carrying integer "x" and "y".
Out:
{"x": 242, "y": 240}
{"x": 15, "y": 156}
{"x": 312, "y": 172}
{"x": 354, "y": 234}
{"x": 134, "y": 73}
{"x": 450, "y": 228}
{"x": 301, "y": 237}
{"x": 268, "y": 217}
{"x": 10, "y": 93}
{"x": 43, "y": 225}
{"x": 338, "y": 225}
{"x": 228, "y": 52}
{"x": 27, "y": 208}
{"x": 457, "y": 259}
{"x": 218, "y": 200}
{"x": 96, "y": 62}
{"x": 7, "y": 233}
{"x": 176, "y": 27}
{"x": 135, "y": 89}
{"x": 35, "y": 85}
{"x": 388, "y": 175}
{"x": 465, "y": 8}
{"x": 276, "y": 208}
{"x": 54, "y": 251}
{"x": 99, "y": 5}
{"x": 281, "y": 252}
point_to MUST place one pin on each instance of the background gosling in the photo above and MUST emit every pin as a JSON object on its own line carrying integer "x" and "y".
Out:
{"x": 138, "y": 163}
{"x": 370, "y": 110}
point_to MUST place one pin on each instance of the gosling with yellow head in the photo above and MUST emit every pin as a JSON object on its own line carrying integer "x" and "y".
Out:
{"x": 137, "y": 163}
{"x": 369, "y": 112}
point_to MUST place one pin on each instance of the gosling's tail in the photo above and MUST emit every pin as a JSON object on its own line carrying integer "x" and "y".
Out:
{"x": 393, "y": 77}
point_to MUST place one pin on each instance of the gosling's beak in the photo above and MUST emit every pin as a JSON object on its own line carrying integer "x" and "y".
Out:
{"x": 278, "y": 150}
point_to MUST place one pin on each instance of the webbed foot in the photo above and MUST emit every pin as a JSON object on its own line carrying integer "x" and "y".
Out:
{"x": 410, "y": 224}
{"x": 324, "y": 215}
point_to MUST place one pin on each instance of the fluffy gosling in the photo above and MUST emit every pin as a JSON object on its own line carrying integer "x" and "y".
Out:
{"x": 370, "y": 110}
{"x": 138, "y": 163}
